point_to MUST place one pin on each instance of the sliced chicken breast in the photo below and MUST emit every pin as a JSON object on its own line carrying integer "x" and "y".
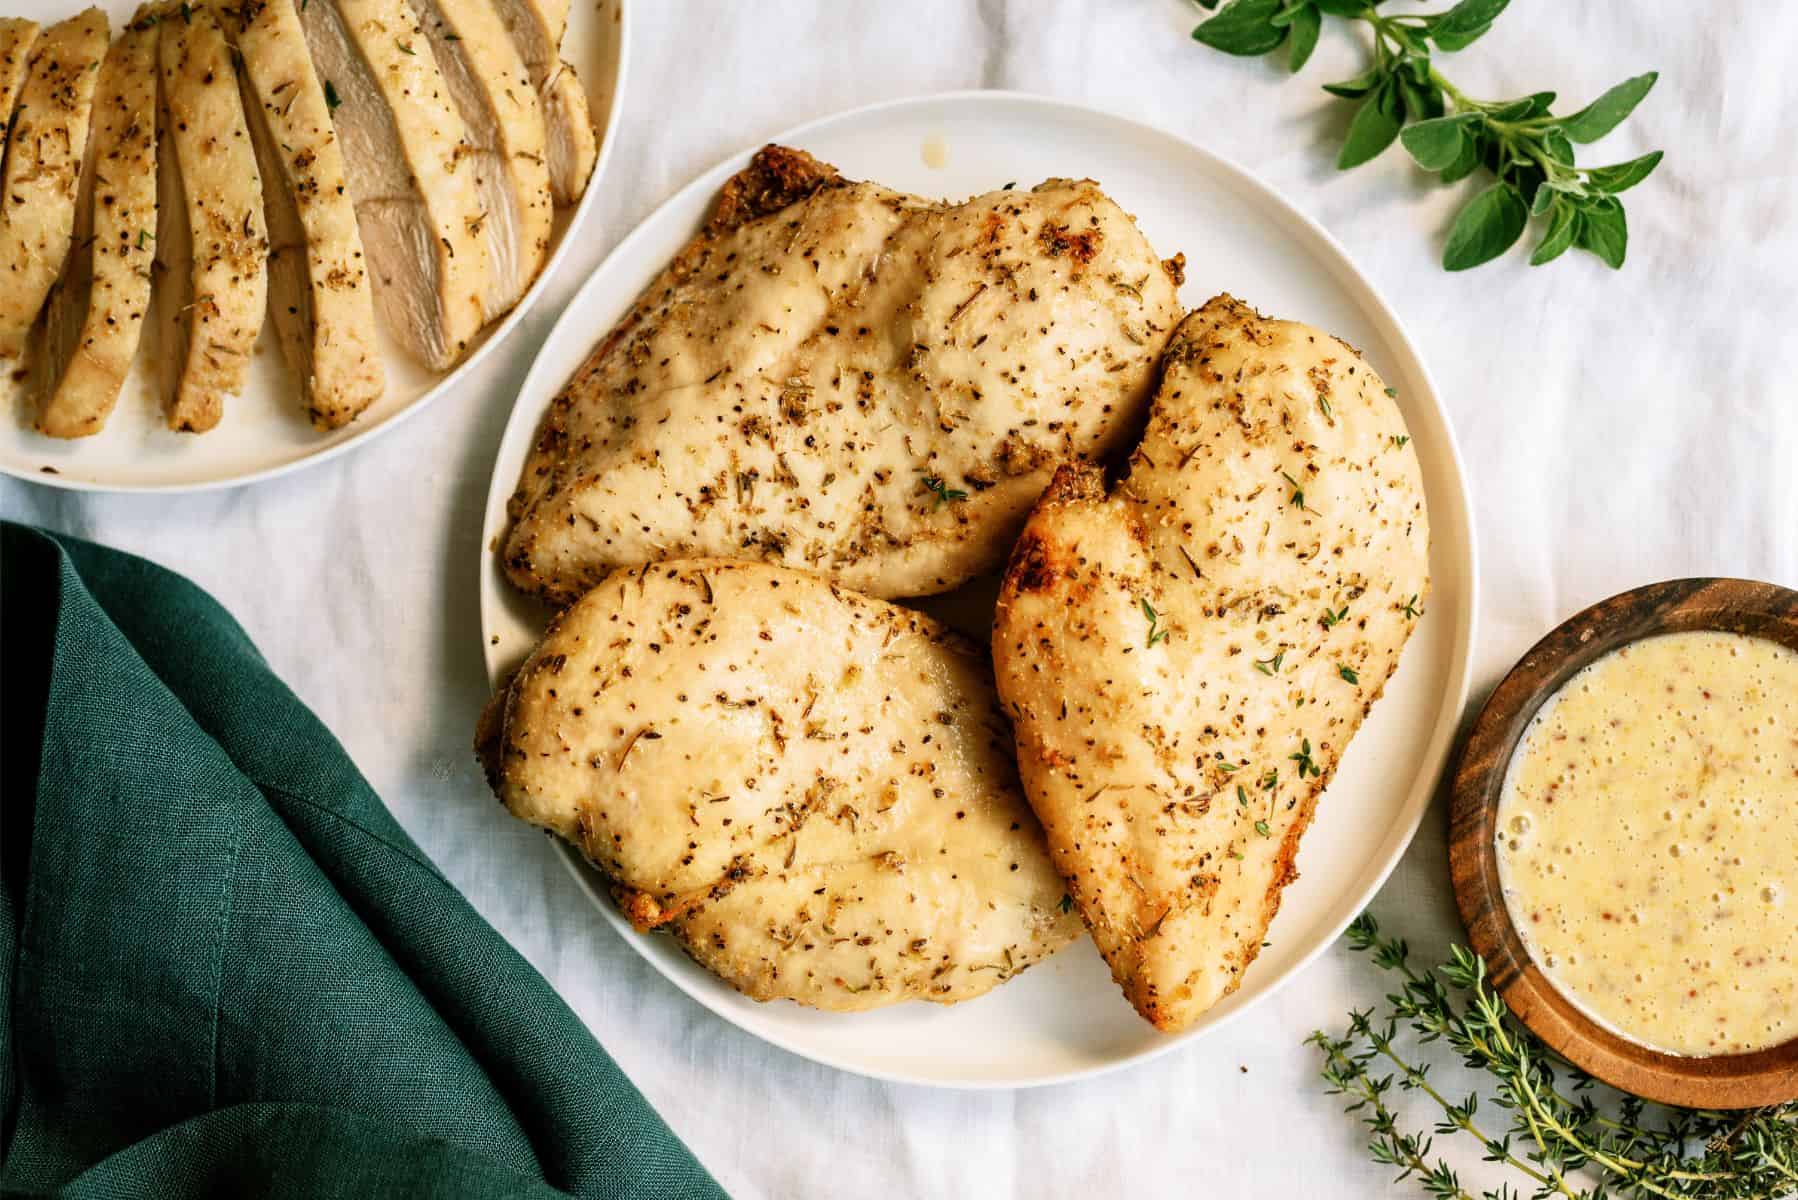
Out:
{"x": 17, "y": 37}
{"x": 493, "y": 92}
{"x": 536, "y": 27}
{"x": 96, "y": 313}
{"x": 1186, "y": 657}
{"x": 42, "y": 176}
{"x": 212, "y": 240}
{"x": 405, "y": 149}
{"x": 319, "y": 296}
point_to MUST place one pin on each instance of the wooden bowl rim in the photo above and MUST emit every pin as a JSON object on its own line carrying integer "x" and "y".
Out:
{"x": 1768, "y": 1076}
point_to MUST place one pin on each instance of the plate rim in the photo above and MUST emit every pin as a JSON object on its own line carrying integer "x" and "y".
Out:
{"x": 1460, "y": 651}
{"x": 583, "y": 210}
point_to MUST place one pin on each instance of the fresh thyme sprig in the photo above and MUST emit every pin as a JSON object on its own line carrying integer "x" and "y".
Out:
{"x": 1527, "y": 148}
{"x": 1565, "y": 1134}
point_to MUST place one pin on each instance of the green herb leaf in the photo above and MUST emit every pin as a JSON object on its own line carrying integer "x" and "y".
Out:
{"x": 405, "y": 48}
{"x": 187, "y": 13}
{"x": 944, "y": 493}
{"x": 1603, "y": 231}
{"x": 1375, "y": 125}
{"x": 1486, "y": 228}
{"x": 144, "y": 236}
{"x": 1360, "y": 85}
{"x": 1624, "y": 176}
{"x": 1562, "y": 225}
{"x": 1243, "y": 27}
{"x": 331, "y": 100}
{"x": 1156, "y": 633}
{"x": 1346, "y": 8}
{"x": 1270, "y": 666}
{"x": 1437, "y": 144}
{"x": 1400, "y": 440}
{"x": 1468, "y": 16}
{"x": 1605, "y": 113}
{"x": 1307, "y": 23}
{"x": 1349, "y": 674}
{"x": 1067, "y": 903}
{"x": 1262, "y": 829}
{"x": 1297, "y": 498}
{"x": 1468, "y": 158}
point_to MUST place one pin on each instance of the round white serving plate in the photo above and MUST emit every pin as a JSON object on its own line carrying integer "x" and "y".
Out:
{"x": 264, "y": 432}
{"x": 1065, "y": 1018}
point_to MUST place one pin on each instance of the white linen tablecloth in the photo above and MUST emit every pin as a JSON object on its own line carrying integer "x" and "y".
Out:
{"x": 1617, "y": 428}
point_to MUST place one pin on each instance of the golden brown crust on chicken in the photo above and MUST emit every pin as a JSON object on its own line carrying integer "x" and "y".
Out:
{"x": 1185, "y": 657}
{"x": 837, "y": 377}
{"x": 811, "y": 790}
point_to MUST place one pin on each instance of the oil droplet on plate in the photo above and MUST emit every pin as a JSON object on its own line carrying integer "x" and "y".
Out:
{"x": 935, "y": 152}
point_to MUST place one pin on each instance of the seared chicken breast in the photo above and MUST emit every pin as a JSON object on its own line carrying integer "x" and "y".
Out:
{"x": 838, "y": 377}
{"x": 493, "y": 92}
{"x": 405, "y": 150}
{"x": 536, "y": 27}
{"x": 811, "y": 789}
{"x": 45, "y": 149}
{"x": 212, "y": 239}
{"x": 318, "y": 291}
{"x": 1186, "y": 657}
{"x": 96, "y": 312}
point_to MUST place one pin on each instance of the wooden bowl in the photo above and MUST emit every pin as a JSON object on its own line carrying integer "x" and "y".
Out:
{"x": 1723, "y": 1081}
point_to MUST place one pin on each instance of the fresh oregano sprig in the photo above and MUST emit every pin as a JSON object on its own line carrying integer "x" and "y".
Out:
{"x": 1563, "y": 1133}
{"x": 1402, "y": 96}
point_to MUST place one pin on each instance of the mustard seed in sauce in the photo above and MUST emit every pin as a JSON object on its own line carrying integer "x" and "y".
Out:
{"x": 1648, "y": 842}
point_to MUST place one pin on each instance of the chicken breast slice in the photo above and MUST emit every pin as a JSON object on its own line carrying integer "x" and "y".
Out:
{"x": 536, "y": 27}
{"x": 841, "y": 378}
{"x": 1185, "y": 658}
{"x": 318, "y": 290}
{"x": 704, "y": 732}
{"x": 96, "y": 312}
{"x": 212, "y": 238}
{"x": 42, "y": 176}
{"x": 405, "y": 150}
{"x": 493, "y": 92}
{"x": 17, "y": 37}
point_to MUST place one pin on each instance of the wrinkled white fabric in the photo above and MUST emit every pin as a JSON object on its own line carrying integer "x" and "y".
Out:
{"x": 1617, "y": 428}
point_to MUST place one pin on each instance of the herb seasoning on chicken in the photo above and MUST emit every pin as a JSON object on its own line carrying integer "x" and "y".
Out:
{"x": 96, "y": 313}
{"x": 839, "y": 377}
{"x": 46, "y": 143}
{"x": 1186, "y": 658}
{"x": 811, "y": 789}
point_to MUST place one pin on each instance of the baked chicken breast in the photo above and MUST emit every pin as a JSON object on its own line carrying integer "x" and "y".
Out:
{"x": 1186, "y": 657}
{"x": 838, "y": 377}
{"x": 318, "y": 290}
{"x": 96, "y": 312}
{"x": 812, "y": 790}
{"x": 212, "y": 237}
{"x": 17, "y": 36}
{"x": 507, "y": 150}
{"x": 404, "y": 149}
{"x": 45, "y": 148}
{"x": 536, "y": 27}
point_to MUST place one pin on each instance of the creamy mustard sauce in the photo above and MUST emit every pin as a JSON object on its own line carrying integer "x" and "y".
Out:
{"x": 1648, "y": 842}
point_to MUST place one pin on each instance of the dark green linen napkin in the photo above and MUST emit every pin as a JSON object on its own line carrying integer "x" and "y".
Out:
{"x": 228, "y": 970}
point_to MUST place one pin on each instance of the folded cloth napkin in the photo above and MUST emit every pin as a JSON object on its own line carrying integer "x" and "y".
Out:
{"x": 228, "y": 970}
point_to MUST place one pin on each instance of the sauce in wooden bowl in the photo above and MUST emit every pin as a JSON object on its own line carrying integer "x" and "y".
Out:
{"x": 1647, "y": 838}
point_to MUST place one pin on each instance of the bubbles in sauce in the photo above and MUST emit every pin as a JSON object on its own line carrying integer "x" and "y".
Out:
{"x": 1647, "y": 841}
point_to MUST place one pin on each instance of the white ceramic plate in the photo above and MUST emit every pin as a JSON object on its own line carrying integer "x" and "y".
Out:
{"x": 264, "y": 433}
{"x": 1065, "y": 1018}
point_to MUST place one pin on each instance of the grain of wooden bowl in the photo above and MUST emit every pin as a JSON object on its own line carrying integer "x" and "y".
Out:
{"x": 1732, "y": 605}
